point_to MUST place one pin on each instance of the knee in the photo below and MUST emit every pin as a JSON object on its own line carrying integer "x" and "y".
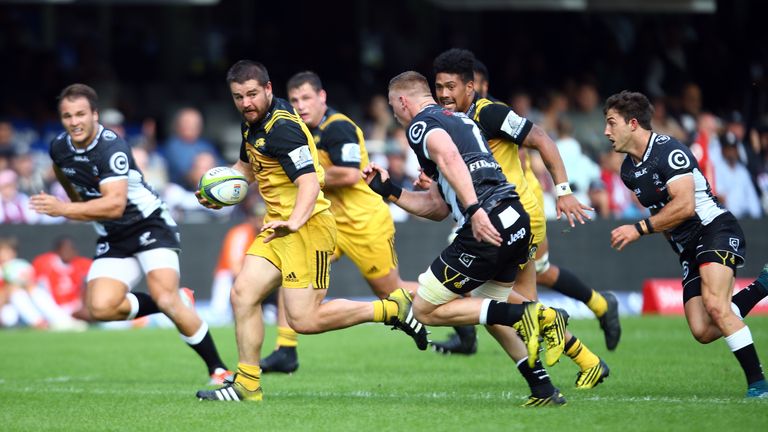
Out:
{"x": 303, "y": 325}
{"x": 702, "y": 336}
{"x": 103, "y": 309}
{"x": 716, "y": 310}
{"x": 167, "y": 302}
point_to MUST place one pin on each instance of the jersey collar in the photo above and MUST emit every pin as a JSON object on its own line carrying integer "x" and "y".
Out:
{"x": 90, "y": 146}
{"x": 648, "y": 148}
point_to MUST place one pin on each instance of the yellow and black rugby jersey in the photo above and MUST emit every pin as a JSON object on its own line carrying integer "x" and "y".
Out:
{"x": 279, "y": 149}
{"x": 340, "y": 142}
{"x": 505, "y": 131}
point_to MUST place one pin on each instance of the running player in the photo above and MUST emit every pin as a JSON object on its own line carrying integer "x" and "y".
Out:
{"x": 297, "y": 240}
{"x": 365, "y": 231}
{"x": 665, "y": 177}
{"x": 490, "y": 245}
{"x": 506, "y": 131}
{"x": 137, "y": 235}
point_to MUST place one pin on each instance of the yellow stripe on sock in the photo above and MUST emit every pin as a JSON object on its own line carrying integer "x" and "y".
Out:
{"x": 581, "y": 355}
{"x": 287, "y": 337}
{"x": 597, "y": 304}
{"x": 249, "y": 376}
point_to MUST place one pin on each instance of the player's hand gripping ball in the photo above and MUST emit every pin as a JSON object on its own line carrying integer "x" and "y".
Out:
{"x": 224, "y": 186}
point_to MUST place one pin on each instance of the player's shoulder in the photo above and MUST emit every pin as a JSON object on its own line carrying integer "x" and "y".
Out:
{"x": 335, "y": 120}
{"x": 668, "y": 151}
{"x": 282, "y": 116}
{"x": 431, "y": 117}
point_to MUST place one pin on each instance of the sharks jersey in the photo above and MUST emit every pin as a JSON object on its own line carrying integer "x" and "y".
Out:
{"x": 108, "y": 158}
{"x": 666, "y": 160}
{"x": 489, "y": 182}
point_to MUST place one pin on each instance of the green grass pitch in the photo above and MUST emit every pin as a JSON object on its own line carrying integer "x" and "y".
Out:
{"x": 369, "y": 378}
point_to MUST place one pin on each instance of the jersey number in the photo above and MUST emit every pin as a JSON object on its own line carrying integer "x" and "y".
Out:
{"x": 476, "y": 133}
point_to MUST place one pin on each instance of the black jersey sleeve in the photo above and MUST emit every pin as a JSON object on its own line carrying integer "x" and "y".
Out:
{"x": 114, "y": 159}
{"x": 289, "y": 144}
{"x": 675, "y": 160}
{"x": 340, "y": 140}
{"x": 499, "y": 120}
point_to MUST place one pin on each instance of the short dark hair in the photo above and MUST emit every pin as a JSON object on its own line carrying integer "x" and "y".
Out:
{"x": 480, "y": 69}
{"x": 245, "y": 70}
{"x": 410, "y": 80}
{"x": 456, "y": 61}
{"x": 61, "y": 240}
{"x": 77, "y": 90}
{"x": 306, "y": 77}
{"x": 631, "y": 105}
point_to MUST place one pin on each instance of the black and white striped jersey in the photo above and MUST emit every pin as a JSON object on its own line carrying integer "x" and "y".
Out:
{"x": 108, "y": 158}
{"x": 665, "y": 160}
{"x": 487, "y": 178}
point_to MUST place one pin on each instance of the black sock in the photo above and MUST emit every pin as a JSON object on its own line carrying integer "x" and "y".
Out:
{"x": 147, "y": 306}
{"x": 466, "y": 332}
{"x": 537, "y": 378}
{"x": 504, "y": 313}
{"x": 747, "y": 357}
{"x": 568, "y": 284}
{"x": 747, "y": 298}
{"x": 206, "y": 349}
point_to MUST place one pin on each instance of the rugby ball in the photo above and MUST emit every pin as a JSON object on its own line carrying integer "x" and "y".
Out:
{"x": 224, "y": 186}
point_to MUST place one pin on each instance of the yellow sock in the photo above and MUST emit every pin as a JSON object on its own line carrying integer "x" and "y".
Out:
{"x": 547, "y": 316}
{"x": 580, "y": 354}
{"x": 597, "y": 304}
{"x": 249, "y": 376}
{"x": 287, "y": 337}
{"x": 383, "y": 310}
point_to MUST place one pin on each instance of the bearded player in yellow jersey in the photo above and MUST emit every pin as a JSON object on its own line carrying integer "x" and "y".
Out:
{"x": 365, "y": 231}
{"x": 506, "y": 131}
{"x": 297, "y": 239}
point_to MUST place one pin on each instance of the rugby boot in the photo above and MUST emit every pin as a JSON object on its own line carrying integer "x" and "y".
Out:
{"x": 464, "y": 341}
{"x": 283, "y": 359}
{"x": 405, "y": 321}
{"x": 609, "y": 322}
{"x": 593, "y": 376}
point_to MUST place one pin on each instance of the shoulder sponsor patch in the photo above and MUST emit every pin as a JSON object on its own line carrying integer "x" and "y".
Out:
{"x": 301, "y": 157}
{"x": 109, "y": 135}
{"x": 513, "y": 124}
{"x": 118, "y": 163}
{"x": 416, "y": 131}
{"x": 678, "y": 159}
{"x": 350, "y": 152}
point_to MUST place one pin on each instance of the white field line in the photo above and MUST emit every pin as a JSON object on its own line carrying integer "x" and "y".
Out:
{"x": 49, "y": 385}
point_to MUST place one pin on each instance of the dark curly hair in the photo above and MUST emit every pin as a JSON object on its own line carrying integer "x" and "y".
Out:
{"x": 631, "y": 105}
{"x": 456, "y": 61}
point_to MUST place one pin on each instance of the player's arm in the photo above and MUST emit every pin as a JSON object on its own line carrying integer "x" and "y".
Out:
{"x": 291, "y": 148}
{"x": 111, "y": 204}
{"x": 341, "y": 142}
{"x": 442, "y": 150}
{"x": 680, "y": 207}
{"x": 427, "y": 204}
{"x": 506, "y": 123}
{"x": 66, "y": 184}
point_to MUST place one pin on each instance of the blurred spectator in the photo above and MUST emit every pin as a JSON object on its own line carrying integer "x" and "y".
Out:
{"x": 63, "y": 272}
{"x": 181, "y": 199}
{"x": 154, "y": 166}
{"x": 758, "y": 138}
{"x": 8, "y": 145}
{"x": 555, "y": 106}
{"x": 33, "y": 303}
{"x": 734, "y": 123}
{"x": 622, "y": 203}
{"x": 588, "y": 121}
{"x": 31, "y": 179}
{"x": 186, "y": 143}
{"x": 706, "y": 147}
{"x": 521, "y": 104}
{"x": 379, "y": 126}
{"x": 233, "y": 248}
{"x": 583, "y": 172}
{"x": 664, "y": 124}
{"x": 396, "y": 165}
{"x": 113, "y": 119}
{"x": 668, "y": 70}
{"x": 689, "y": 109}
{"x": 14, "y": 205}
{"x": 736, "y": 187}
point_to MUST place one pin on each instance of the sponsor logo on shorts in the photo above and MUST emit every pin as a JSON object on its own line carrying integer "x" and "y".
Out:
{"x": 460, "y": 283}
{"x": 291, "y": 277}
{"x": 466, "y": 259}
{"x": 685, "y": 269}
{"x": 516, "y": 236}
{"x": 734, "y": 243}
{"x": 373, "y": 269}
